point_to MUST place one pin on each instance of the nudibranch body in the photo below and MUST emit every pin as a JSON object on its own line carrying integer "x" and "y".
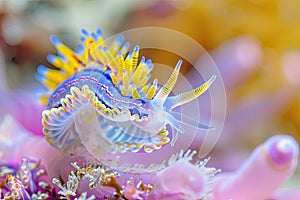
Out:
{"x": 131, "y": 113}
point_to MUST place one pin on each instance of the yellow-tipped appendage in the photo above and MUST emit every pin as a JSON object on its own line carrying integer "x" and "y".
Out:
{"x": 114, "y": 78}
{"x": 128, "y": 64}
{"x": 135, "y": 93}
{"x": 127, "y": 73}
{"x": 138, "y": 73}
{"x": 152, "y": 89}
{"x": 69, "y": 62}
{"x": 191, "y": 95}
{"x": 135, "y": 56}
{"x": 55, "y": 76}
{"x": 120, "y": 61}
{"x": 70, "y": 56}
{"x": 134, "y": 76}
{"x": 145, "y": 89}
{"x": 164, "y": 92}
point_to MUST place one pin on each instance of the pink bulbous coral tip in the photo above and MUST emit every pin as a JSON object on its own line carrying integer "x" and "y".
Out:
{"x": 184, "y": 180}
{"x": 282, "y": 150}
{"x": 184, "y": 172}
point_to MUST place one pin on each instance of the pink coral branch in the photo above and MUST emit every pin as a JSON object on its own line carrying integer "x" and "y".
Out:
{"x": 269, "y": 166}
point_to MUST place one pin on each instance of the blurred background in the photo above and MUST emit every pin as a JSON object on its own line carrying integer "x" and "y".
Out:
{"x": 255, "y": 44}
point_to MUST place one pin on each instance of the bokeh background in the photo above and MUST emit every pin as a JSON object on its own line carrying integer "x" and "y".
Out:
{"x": 255, "y": 44}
